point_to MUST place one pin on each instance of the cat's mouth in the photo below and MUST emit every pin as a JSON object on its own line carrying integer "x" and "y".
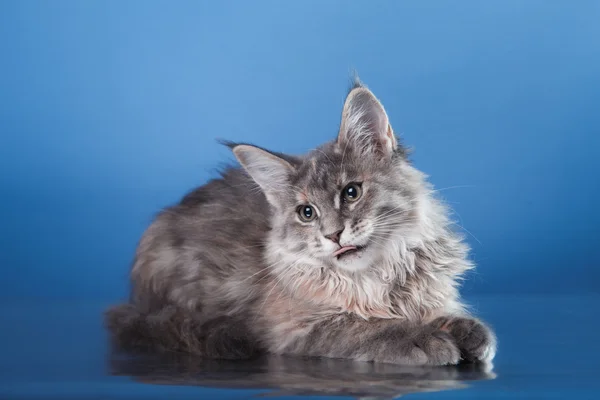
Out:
{"x": 346, "y": 251}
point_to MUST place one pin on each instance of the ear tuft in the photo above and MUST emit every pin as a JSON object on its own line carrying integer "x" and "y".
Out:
{"x": 355, "y": 81}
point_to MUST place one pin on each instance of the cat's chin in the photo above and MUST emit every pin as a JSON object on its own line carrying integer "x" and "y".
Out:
{"x": 354, "y": 262}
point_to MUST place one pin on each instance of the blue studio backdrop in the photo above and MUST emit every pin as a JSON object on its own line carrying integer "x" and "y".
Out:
{"x": 110, "y": 110}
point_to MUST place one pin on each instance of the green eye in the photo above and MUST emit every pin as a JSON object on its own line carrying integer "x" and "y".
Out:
{"x": 352, "y": 192}
{"x": 307, "y": 213}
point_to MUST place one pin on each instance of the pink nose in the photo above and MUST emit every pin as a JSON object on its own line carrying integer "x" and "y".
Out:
{"x": 335, "y": 236}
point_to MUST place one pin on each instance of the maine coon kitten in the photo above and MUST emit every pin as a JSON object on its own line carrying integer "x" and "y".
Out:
{"x": 343, "y": 252}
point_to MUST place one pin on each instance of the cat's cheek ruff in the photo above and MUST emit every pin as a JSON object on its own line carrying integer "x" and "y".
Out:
{"x": 415, "y": 279}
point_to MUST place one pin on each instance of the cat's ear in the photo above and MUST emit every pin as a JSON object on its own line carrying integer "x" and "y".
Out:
{"x": 365, "y": 126}
{"x": 269, "y": 171}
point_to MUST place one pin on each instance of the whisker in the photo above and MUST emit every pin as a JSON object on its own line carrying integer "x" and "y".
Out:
{"x": 466, "y": 230}
{"x": 272, "y": 265}
{"x": 394, "y": 211}
{"x": 277, "y": 281}
{"x": 454, "y": 187}
{"x": 285, "y": 288}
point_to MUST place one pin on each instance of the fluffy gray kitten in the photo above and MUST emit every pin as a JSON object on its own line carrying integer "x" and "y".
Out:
{"x": 343, "y": 252}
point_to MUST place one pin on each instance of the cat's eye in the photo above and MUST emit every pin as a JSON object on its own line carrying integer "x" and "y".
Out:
{"x": 307, "y": 213}
{"x": 352, "y": 192}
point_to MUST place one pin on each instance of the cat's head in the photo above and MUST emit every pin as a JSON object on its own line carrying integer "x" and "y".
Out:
{"x": 345, "y": 203}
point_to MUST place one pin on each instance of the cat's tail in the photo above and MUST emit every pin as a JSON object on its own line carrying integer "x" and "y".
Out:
{"x": 172, "y": 329}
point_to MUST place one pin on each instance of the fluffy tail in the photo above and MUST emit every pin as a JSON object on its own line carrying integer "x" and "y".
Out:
{"x": 174, "y": 330}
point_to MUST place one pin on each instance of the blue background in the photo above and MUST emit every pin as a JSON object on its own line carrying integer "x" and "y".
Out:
{"x": 110, "y": 110}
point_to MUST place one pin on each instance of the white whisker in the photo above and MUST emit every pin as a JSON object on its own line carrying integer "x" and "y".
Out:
{"x": 454, "y": 187}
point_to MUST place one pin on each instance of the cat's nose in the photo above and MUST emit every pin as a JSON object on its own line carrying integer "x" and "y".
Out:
{"x": 335, "y": 236}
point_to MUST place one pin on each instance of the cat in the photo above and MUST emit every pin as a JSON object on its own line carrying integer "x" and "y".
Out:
{"x": 343, "y": 252}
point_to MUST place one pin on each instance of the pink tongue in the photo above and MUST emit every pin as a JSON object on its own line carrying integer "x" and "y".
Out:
{"x": 343, "y": 250}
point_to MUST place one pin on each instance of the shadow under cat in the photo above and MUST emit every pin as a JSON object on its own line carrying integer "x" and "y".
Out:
{"x": 287, "y": 376}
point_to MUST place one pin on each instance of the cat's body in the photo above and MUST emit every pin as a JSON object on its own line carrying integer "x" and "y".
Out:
{"x": 343, "y": 252}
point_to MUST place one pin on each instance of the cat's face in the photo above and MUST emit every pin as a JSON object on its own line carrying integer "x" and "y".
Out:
{"x": 344, "y": 203}
{"x": 342, "y": 210}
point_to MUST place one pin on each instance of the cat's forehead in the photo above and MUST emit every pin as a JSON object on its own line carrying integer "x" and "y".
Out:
{"x": 326, "y": 170}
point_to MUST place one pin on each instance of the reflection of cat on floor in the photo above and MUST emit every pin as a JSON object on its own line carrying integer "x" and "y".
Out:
{"x": 279, "y": 375}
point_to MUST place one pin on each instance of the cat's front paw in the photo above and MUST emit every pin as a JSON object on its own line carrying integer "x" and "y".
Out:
{"x": 431, "y": 346}
{"x": 474, "y": 339}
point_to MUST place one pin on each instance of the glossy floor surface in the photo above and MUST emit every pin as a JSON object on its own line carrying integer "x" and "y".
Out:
{"x": 549, "y": 348}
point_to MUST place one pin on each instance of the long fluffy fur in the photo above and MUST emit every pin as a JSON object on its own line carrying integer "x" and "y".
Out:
{"x": 231, "y": 271}
{"x": 173, "y": 329}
